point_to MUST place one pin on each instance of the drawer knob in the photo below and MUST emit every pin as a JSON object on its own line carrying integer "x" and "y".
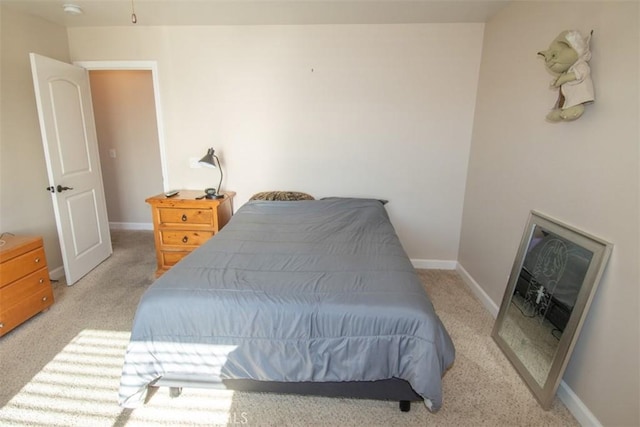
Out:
{"x": 1, "y": 325}
{"x": 41, "y": 281}
{"x": 184, "y": 217}
{"x": 37, "y": 260}
{"x": 44, "y": 299}
{"x": 185, "y": 239}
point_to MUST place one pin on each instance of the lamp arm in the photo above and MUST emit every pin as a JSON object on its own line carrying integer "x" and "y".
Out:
{"x": 219, "y": 167}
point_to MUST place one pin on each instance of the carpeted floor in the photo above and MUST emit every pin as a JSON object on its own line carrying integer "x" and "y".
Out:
{"x": 62, "y": 368}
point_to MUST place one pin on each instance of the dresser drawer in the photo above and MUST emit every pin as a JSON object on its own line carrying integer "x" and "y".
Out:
{"x": 176, "y": 216}
{"x": 23, "y": 288}
{"x": 21, "y": 266}
{"x": 11, "y": 317}
{"x": 184, "y": 237}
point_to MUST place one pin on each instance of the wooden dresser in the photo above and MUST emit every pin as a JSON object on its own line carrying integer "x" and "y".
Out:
{"x": 25, "y": 288}
{"x": 183, "y": 222}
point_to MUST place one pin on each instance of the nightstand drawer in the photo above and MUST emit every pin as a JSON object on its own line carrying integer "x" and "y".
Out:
{"x": 29, "y": 307}
{"x": 174, "y": 216}
{"x": 24, "y": 288}
{"x": 21, "y": 266}
{"x": 171, "y": 258}
{"x": 184, "y": 237}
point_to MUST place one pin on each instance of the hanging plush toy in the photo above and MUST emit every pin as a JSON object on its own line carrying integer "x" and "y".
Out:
{"x": 567, "y": 58}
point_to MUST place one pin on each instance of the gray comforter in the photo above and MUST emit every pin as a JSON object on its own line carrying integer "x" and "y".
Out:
{"x": 291, "y": 291}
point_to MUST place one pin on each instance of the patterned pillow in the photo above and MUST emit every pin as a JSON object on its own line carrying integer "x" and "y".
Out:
{"x": 281, "y": 195}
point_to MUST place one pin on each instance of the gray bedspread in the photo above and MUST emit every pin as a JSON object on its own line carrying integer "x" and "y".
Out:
{"x": 292, "y": 291}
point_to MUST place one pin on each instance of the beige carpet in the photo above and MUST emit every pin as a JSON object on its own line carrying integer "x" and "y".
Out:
{"x": 62, "y": 367}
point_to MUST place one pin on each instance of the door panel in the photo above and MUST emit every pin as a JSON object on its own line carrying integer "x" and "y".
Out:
{"x": 82, "y": 209}
{"x": 69, "y": 122}
{"x": 71, "y": 152}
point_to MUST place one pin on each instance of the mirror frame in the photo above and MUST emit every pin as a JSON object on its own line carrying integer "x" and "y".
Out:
{"x": 601, "y": 250}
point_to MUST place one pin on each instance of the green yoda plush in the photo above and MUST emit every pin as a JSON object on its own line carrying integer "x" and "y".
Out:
{"x": 567, "y": 58}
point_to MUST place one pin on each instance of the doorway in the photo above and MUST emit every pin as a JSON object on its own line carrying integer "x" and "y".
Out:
{"x": 128, "y": 126}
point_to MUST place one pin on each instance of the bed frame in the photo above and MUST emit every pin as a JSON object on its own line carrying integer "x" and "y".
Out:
{"x": 389, "y": 389}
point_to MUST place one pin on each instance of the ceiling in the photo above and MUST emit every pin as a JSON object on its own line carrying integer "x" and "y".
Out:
{"x": 259, "y": 12}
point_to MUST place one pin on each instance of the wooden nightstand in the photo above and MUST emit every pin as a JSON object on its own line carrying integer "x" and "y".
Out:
{"x": 182, "y": 223}
{"x": 25, "y": 288}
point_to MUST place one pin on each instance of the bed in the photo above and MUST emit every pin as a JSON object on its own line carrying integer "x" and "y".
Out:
{"x": 310, "y": 297}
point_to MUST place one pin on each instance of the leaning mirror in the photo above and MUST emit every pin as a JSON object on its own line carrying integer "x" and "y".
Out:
{"x": 552, "y": 282}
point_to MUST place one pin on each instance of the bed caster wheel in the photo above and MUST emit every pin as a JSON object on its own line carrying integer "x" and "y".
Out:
{"x": 175, "y": 392}
{"x": 405, "y": 405}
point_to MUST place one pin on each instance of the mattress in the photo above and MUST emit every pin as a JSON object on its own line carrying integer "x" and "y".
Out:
{"x": 295, "y": 291}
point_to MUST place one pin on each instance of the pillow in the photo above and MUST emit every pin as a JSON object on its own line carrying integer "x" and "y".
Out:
{"x": 281, "y": 196}
{"x": 383, "y": 201}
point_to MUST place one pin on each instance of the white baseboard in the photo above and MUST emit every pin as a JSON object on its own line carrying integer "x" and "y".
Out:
{"x": 573, "y": 403}
{"x": 130, "y": 226}
{"x": 56, "y": 273}
{"x": 487, "y": 302}
{"x": 434, "y": 264}
{"x": 577, "y": 408}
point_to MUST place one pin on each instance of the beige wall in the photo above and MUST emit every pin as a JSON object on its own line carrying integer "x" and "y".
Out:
{"x": 350, "y": 110}
{"x": 124, "y": 109}
{"x": 25, "y": 205}
{"x": 584, "y": 173}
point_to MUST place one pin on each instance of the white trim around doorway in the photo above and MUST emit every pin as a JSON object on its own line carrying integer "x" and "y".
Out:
{"x": 139, "y": 65}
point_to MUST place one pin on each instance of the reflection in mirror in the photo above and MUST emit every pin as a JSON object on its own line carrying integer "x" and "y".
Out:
{"x": 545, "y": 294}
{"x": 551, "y": 284}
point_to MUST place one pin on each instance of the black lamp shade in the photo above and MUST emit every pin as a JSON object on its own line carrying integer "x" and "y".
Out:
{"x": 209, "y": 159}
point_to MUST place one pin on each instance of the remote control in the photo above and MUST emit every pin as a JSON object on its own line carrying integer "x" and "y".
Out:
{"x": 171, "y": 193}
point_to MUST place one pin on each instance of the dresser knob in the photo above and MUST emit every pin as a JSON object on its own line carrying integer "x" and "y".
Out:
{"x": 185, "y": 239}
{"x": 37, "y": 260}
{"x": 184, "y": 217}
{"x": 1, "y": 325}
{"x": 41, "y": 281}
{"x": 44, "y": 299}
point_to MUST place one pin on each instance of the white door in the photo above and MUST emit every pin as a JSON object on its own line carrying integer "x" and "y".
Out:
{"x": 71, "y": 151}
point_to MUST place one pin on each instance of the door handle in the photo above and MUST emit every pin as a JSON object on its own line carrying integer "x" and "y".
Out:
{"x": 60, "y": 188}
